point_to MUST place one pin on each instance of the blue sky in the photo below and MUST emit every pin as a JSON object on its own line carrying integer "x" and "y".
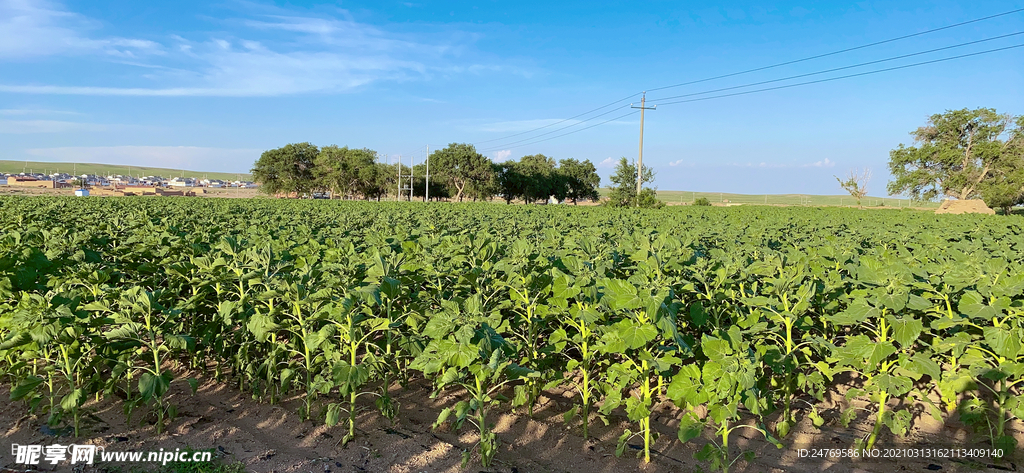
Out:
{"x": 210, "y": 85}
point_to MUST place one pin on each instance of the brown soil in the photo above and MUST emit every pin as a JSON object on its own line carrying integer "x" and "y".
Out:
{"x": 950, "y": 206}
{"x": 9, "y": 190}
{"x": 209, "y": 192}
{"x": 270, "y": 438}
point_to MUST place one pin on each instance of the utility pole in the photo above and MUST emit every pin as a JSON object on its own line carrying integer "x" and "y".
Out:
{"x": 640, "y": 162}
{"x": 426, "y": 190}
{"x": 411, "y": 164}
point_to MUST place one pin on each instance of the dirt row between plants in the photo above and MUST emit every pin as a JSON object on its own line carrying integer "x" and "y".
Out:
{"x": 270, "y": 438}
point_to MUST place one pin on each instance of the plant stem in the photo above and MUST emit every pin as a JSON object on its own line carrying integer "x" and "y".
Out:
{"x": 883, "y": 396}
{"x": 725, "y": 446}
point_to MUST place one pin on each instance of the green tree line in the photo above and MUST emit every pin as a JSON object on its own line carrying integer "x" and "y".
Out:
{"x": 457, "y": 172}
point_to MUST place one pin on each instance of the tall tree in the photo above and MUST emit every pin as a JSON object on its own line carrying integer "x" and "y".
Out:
{"x": 287, "y": 169}
{"x": 510, "y": 181}
{"x": 438, "y": 189}
{"x": 459, "y": 164}
{"x": 537, "y": 172}
{"x": 1005, "y": 188}
{"x": 580, "y": 179}
{"x": 378, "y": 180}
{"x": 485, "y": 188}
{"x": 957, "y": 152}
{"x": 624, "y": 193}
{"x": 345, "y": 171}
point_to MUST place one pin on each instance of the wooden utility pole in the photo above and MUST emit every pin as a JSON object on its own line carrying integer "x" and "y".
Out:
{"x": 426, "y": 189}
{"x": 640, "y": 162}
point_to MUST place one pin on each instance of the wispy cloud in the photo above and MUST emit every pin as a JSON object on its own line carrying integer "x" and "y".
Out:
{"x": 35, "y": 28}
{"x": 539, "y": 124}
{"x": 502, "y": 155}
{"x": 175, "y": 157}
{"x": 523, "y": 125}
{"x": 20, "y": 127}
{"x": 607, "y": 163}
{"x": 824, "y": 163}
{"x": 309, "y": 54}
{"x": 35, "y": 111}
{"x": 679, "y": 162}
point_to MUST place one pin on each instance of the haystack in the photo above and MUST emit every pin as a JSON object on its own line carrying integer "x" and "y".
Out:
{"x": 964, "y": 207}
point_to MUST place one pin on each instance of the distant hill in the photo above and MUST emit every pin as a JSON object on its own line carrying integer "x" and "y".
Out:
{"x": 14, "y": 167}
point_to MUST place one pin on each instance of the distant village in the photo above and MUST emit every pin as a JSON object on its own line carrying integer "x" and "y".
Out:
{"x": 117, "y": 184}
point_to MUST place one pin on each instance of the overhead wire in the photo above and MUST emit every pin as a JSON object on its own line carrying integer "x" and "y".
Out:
{"x": 531, "y": 141}
{"x": 905, "y": 66}
{"x": 818, "y": 56}
{"x": 560, "y": 129}
{"x": 579, "y": 130}
{"x": 826, "y": 71}
{"x": 609, "y": 104}
{"x": 833, "y": 53}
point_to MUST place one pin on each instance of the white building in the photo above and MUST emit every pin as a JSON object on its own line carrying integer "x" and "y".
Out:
{"x": 182, "y": 182}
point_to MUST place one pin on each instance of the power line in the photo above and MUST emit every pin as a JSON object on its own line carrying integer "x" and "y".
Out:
{"x": 905, "y": 66}
{"x": 560, "y": 129}
{"x": 833, "y": 53}
{"x": 560, "y": 121}
{"x": 847, "y": 76}
{"x": 904, "y": 56}
{"x": 579, "y": 130}
{"x": 876, "y": 43}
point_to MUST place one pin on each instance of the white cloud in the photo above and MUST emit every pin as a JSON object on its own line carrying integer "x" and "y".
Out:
{"x": 677, "y": 162}
{"x": 30, "y": 29}
{"x": 174, "y": 157}
{"x": 19, "y": 127}
{"x": 308, "y": 54}
{"x": 502, "y": 155}
{"x": 607, "y": 163}
{"x": 825, "y": 163}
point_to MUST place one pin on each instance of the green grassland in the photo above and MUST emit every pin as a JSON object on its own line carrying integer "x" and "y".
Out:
{"x": 14, "y": 167}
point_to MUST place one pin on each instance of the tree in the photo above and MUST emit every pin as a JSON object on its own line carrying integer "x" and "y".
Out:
{"x": 459, "y": 164}
{"x": 510, "y": 181}
{"x": 624, "y": 193}
{"x": 1005, "y": 188}
{"x": 287, "y": 169}
{"x": 378, "y": 180}
{"x": 483, "y": 189}
{"x": 856, "y": 184}
{"x": 346, "y": 171}
{"x": 438, "y": 189}
{"x": 537, "y": 172}
{"x": 957, "y": 152}
{"x": 580, "y": 179}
